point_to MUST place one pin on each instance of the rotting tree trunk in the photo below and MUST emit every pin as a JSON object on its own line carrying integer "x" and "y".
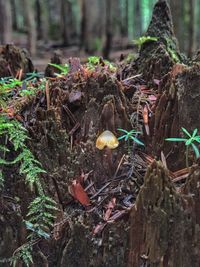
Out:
{"x": 165, "y": 224}
{"x": 63, "y": 139}
{"x": 156, "y": 58}
{"x": 177, "y": 107}
{"x": 12, "y": 60}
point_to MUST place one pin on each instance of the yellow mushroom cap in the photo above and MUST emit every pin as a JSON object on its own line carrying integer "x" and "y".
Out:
{"x": 107, "y": 138}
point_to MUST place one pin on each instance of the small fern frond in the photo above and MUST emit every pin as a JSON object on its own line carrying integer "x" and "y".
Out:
{"x": 40, "y": 217}
{"x": 24, "y": 253}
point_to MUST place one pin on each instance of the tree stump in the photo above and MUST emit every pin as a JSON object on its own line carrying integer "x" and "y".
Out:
{"x": 156, "y": 58}
{"x": 165, "y": 223}
{"x": 64, "y": 122}
{"x": 12, "y": 60}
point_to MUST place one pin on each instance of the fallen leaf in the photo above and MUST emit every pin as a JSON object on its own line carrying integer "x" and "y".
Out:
{"x": 77, "y": 191}
{"x": 152, "y": 97}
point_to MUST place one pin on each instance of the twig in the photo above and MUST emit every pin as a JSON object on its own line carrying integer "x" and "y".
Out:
{"x": 132, "y": 77}
{"x": 100, "y": 190}
{"x": 119, "y": 165}
{"x": 69, "y": 113}
{"x": 47, "y": 95}
{"x": 73, "y": 130}
{"x": 20, "y": 74}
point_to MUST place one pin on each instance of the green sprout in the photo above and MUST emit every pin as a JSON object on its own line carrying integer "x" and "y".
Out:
{"x": 63, "y": 68}
{"x": 128, "y": 136}
{"x": 96, "y": 61}
{"x": 189, "y": 142}
{"x": 93, "y": 60}
{"x": 144, "y": 39}
{"x": 34, "y": 75}
{"x": 9, "y": 84}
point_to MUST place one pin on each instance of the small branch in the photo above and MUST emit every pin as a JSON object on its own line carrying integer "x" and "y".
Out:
{"x": 47, "y": 95}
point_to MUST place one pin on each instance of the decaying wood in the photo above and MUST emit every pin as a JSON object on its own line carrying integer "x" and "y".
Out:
{"x": 63, "y": 125}
{"x": 12, "y": 60}
{"x": 165, "y": 223}
{"x": 156, "y": 58}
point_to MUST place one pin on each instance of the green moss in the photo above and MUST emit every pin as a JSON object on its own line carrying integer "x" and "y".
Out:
{"x": 172, "y": 51}
{"x": 144, "y": 39}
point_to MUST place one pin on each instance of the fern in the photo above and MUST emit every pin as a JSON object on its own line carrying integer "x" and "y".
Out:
{"x": 17, "y": 135}
{"x": 41, "y": 209}
{"x": 24, "y": 253}
{"x": 30, "y": 167}
{"x": 40, "y": 216}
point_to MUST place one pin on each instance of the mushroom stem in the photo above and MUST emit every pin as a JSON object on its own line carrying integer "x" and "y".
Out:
{"x": 109, "y": 160}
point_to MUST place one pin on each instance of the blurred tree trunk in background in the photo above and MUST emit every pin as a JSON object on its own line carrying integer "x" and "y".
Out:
{"x": 31, "y": 26}
{"x": 191, "y": 24}
{"x": 197, "y": 23}
{"x": 38, "y": 19}
{"x": 14, "y": 15}
{"x": 176, "y": 9}
{"x": 183, "y": 15}
{"x": 108, "y": 33}
{"x": 137, "y": 19}
{"x": 42, "y": 20}
{"x": 131, "y": 16}
{"x": 83, "y": 23}
{"x": 5, "y": 22}
{"x": 66, "y": 14}
{"x": 92, "y": 21}
{"x": 123, "y": 5}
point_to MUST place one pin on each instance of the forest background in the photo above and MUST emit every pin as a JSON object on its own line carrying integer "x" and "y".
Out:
{"x": 88, "y": 27}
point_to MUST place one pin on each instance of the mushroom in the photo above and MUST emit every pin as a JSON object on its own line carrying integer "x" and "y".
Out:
{"x": 108, "y": 141}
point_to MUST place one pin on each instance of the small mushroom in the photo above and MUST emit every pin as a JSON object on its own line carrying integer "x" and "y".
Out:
{"x": 108, "y": 141}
